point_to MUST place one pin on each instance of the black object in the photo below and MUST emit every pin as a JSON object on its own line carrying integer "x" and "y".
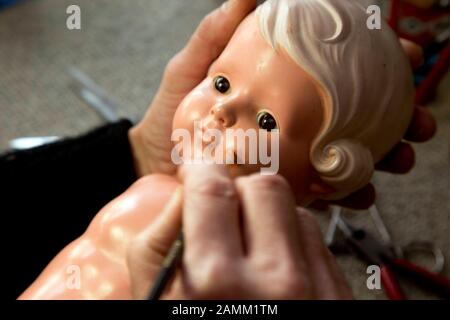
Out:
{"x": 50, "y": 194}
{"x": 169, "y": 266}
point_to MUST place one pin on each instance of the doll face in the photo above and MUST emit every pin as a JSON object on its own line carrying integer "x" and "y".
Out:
{"x": 251, "y": 86}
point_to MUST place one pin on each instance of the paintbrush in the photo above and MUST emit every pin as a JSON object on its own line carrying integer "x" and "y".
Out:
{"x": 168, "y": 268}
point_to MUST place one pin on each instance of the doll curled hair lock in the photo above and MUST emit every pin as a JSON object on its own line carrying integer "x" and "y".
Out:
{"x": 364, "y": 77}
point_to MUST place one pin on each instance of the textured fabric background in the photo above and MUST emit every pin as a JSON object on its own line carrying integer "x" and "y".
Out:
{"x": 124, "y": 46}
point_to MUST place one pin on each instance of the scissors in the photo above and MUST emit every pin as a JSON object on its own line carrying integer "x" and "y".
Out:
{"x": 388, "y": 257}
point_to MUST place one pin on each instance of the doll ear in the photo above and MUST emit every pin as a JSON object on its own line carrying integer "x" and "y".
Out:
{"x": 320, "y": 188}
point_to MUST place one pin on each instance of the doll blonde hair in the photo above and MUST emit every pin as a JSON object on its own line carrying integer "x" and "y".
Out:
{"x": 364, "y": 75}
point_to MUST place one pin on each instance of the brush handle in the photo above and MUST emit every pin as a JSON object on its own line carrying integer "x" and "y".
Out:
{"x": 168, "y": 268}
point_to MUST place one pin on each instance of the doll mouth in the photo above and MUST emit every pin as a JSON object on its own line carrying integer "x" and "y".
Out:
{"x": 213, "y": 139}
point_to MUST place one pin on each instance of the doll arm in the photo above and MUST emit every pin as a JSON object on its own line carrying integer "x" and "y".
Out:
{"x": 37, "y": 185}
{"x": 83, "y": 270}
{"x": 91, "y": 267}
{"x": 94, "y": 266}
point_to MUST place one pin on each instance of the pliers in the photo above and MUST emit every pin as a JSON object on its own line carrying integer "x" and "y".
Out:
{"x": 375, "y": 252}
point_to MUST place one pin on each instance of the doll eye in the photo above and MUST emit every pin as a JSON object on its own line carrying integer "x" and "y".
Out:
{"x": 266, "y": 121}
{"x": 222, "y": 84}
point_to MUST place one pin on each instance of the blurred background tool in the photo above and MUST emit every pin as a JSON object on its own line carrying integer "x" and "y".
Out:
{"x": 382, "y": 254}
{"x": 91, "y": 94}
{"x": 94, "y": 96}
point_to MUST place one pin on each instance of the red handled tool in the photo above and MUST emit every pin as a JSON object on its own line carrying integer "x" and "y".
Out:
{"x": 378, "y": 253}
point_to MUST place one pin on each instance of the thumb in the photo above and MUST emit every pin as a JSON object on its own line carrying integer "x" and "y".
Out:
{"x": 147, "y": 251}
{"x": 190, "y": 66}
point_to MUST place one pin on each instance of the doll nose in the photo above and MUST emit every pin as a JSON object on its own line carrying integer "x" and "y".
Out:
{"x": 224, "y": 114}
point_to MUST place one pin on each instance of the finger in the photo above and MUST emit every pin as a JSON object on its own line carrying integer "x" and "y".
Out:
{"x": 345, "y": 292}
{"x": 211, "y": 215}
{"x": 359, "y": 200}
{"x": 414, "y": 52}
{"x": 268, "y": 215}
{"x": 147, "y": 252}
{"x": 320, "y": 205}
{"x": 423, "y": 126}
{"x": 161, "y": 235}
{"x": 327, "y": 279}
{"x": 190, "y": 66}
{"x": 400, "y": 160}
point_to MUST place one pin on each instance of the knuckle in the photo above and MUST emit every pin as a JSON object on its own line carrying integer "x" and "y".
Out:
{"x": 213, "y": 25}
{"x": 213, "y": 277}
{"x": 291, "y": 285}
{"x": 173, "y": 66}
{"x": 297, "y": 288}
{"x": 214, "y": 187}
{"x": 285, "y": 278}
{"x": 269, "y": 182}
{"x": 207, "y": 22}
{"x": 216, "y": 268}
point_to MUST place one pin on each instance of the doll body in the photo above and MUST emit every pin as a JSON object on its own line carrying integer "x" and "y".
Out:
{"x": 339, "y": 96}
{"x": 94, "y": 266}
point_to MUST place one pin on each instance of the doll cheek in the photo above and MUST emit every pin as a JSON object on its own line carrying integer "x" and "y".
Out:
{"x": 194, "y": 103}
{"x": 193, "y": 108}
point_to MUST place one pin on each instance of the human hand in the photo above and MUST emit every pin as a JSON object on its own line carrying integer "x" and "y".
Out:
{"x": 150, "y": 139}
{"x": 402, "y": 158}
{"x": 243, "y": 239}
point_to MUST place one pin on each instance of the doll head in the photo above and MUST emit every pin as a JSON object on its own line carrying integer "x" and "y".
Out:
{"x": 340, "y": 96}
